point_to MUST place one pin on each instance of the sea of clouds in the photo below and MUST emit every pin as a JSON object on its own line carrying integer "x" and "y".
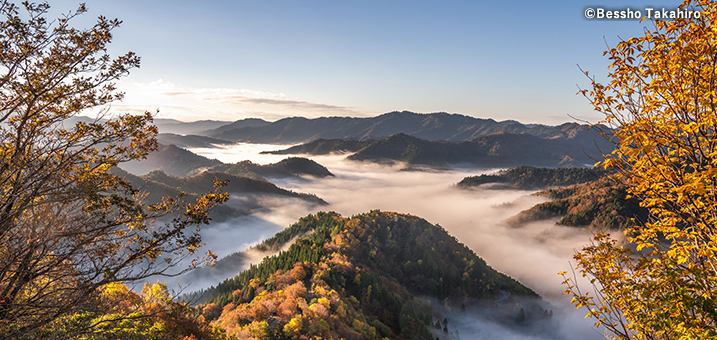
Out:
{"x": 533, "y": 253}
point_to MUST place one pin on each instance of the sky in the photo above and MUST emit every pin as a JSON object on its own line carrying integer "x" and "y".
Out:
{"x": 229, "y": 60}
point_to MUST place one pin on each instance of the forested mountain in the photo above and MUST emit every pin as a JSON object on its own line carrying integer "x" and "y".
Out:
{"x": 177, "y": 161}
{"x": 292, "y": 166}
{"x": 172, "y": 160}
{"x": 324, "y": 147}
{"x": 158, "y": 184}
{"x": 498, "y": 150}
{"x": 190, "y": 141}
{"x": 357, "y": 277}
{"x": 528, "y": 177}
{"x": 433, "y": 127}
{"x": 601, "y": 204}
{"x": 237, "y": 125}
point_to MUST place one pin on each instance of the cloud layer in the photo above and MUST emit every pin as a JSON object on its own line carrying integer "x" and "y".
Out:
{"x": 532, "y": 254}
{"x": 187, "y": 103}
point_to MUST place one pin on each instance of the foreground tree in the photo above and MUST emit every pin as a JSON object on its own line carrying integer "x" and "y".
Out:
{"x": 68, "y": 226}
{"x": 662, "y": 98}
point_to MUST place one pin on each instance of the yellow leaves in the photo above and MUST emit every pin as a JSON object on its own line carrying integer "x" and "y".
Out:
{"x": 156, "y": 292}
{"x": 608, "y": 163}
{"x": 661, "y": 98}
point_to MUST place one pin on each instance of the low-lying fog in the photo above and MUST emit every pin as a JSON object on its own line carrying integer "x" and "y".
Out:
{"x": 532, "y": 254}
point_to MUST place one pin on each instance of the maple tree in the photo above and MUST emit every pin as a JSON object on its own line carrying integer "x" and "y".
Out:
{"x": 662, "y": 100}
{"x": 68, "y": 225}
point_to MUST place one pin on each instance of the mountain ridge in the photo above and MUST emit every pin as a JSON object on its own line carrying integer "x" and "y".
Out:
{"x": 431, "y": 126}
{"x": 357, "y": 277}
{"x": 501, "y": 149}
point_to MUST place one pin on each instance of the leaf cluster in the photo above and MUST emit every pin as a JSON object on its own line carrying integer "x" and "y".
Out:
{"x": 661, "y": 96}
{"x": 68, "y": 225}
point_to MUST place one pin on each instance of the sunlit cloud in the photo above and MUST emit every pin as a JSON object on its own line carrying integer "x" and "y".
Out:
{"x": 189, "y": 104}
{"x": 288, "y": 103}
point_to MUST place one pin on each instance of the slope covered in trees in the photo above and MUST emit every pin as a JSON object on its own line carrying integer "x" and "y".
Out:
{"x": 247, "y": 123}
{"x": 323, "y": 147}
{"x": 172, "y": 160}
{"x": 600, "y": 204}
{"x": 357, "y": 278}
{"x": 497, "y": 150}
{"x": 529, "y": 177}
{"x": 157, "y": 184}
{"x": 288, "y": 167}
{"x": 190, "y": 141}
{"x": 121, "y": 313}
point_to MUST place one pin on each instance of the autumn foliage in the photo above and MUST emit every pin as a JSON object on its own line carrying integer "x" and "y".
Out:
{"x": 68, "y": 225}
{"x": 356, "y": 278}
{"x": 662, "y": 99}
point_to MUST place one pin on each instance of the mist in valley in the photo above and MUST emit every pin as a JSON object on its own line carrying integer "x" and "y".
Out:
{"x": 533, "y": 253}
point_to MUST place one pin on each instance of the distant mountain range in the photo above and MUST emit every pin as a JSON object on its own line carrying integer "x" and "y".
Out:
{"x": 432, "y": 127}
{"x": 164, "y": 125}
{"x": 435, "y": 139}
{"x": 496, "y": 150}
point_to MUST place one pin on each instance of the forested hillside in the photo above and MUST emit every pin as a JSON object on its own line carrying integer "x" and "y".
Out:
{"x": 288, "y": 167}
{"x": 157, "y": 184}
{"x": 529, "y": 177}
{"x": 170, "y": 159}
{"x": 496, "y": 150}
{"x": 358, "y": 278}
{"x": 324, "y": 147}
{"x": 600, "y": 204}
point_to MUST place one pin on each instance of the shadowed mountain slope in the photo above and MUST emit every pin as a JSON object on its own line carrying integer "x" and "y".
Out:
{"x": 600, "y": 204}
{"x": 498, "y": 150}
{"x": 529, "y": 177}
{"x": 433, "y": 127}
{"x": 292, "y": 166}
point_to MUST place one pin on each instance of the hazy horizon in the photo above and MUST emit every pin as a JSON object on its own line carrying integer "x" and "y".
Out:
{"x": 272, "y": 120}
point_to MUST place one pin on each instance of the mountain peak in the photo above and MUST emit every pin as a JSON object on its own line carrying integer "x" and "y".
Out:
{"x": 357, "y": 277}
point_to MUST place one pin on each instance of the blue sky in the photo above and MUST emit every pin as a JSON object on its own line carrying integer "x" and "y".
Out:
{"x": 271, "y": 59}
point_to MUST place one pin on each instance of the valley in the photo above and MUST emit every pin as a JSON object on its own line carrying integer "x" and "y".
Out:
{"x": 532, "y": 253}
{"x": 478, "y": 206}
